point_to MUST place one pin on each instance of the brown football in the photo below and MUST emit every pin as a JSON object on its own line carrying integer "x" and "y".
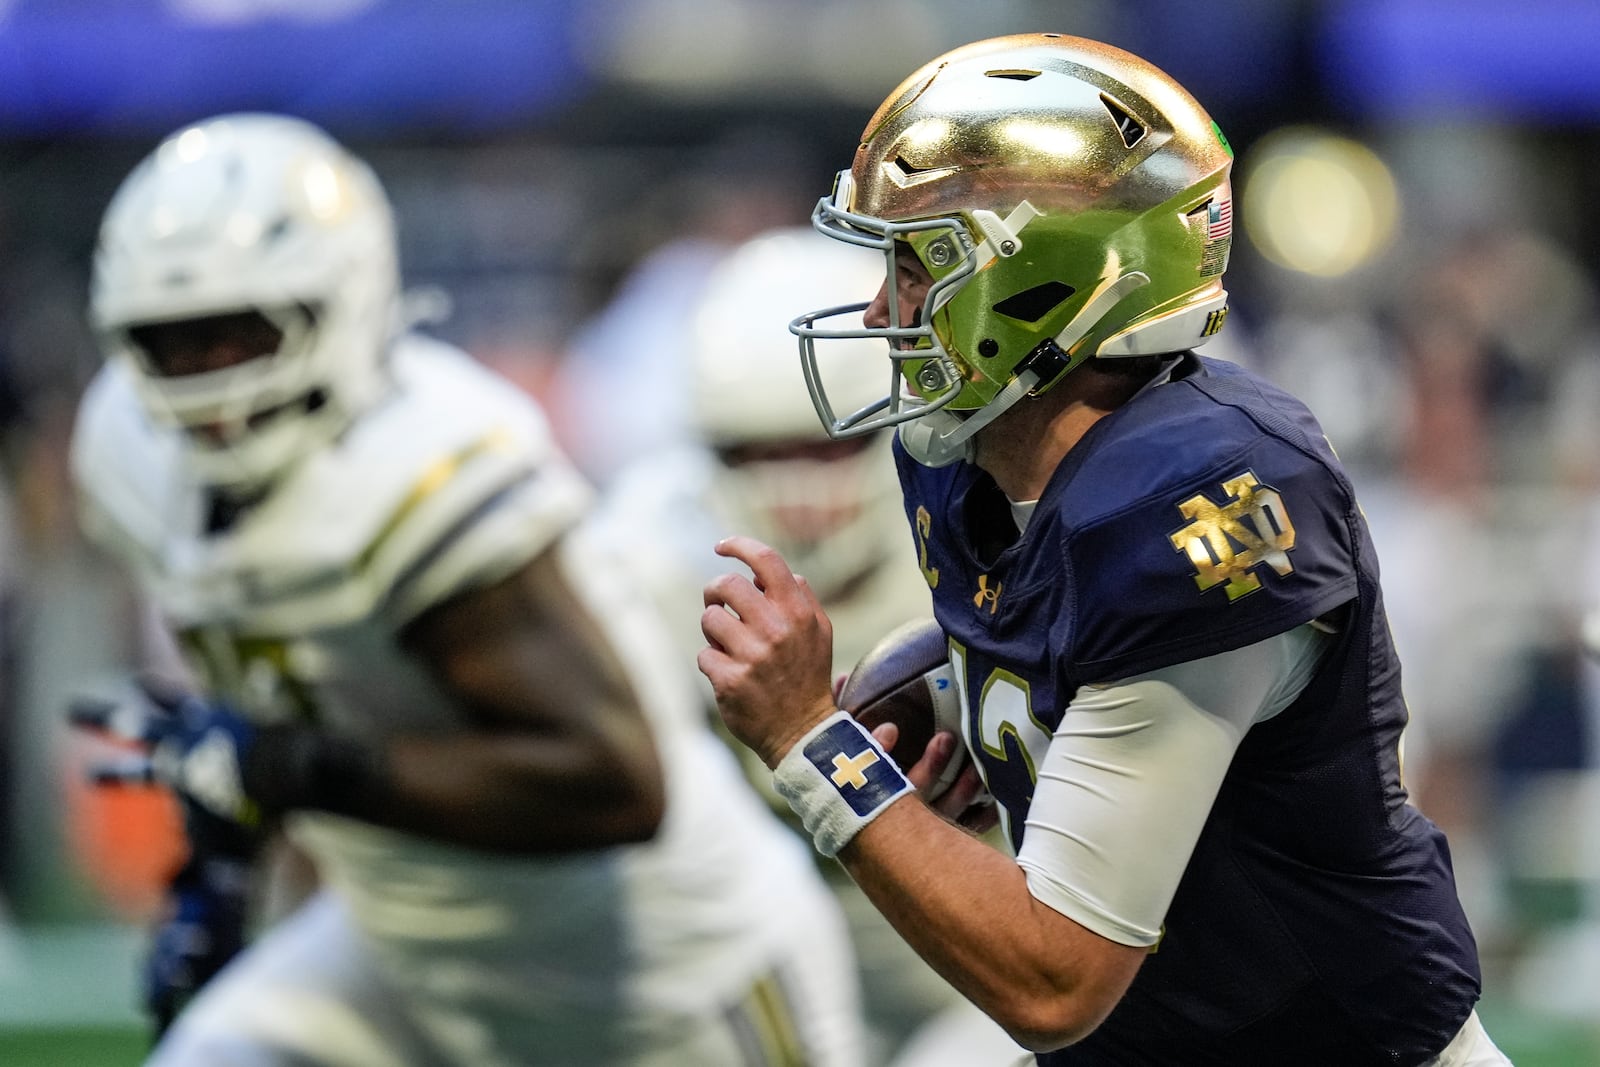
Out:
{"x": 905, "y": 679}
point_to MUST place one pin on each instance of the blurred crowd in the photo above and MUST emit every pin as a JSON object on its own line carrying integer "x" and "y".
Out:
{"x": 1455, "y": 367}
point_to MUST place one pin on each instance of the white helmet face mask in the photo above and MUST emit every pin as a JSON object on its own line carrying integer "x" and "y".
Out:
{"x": 832, "y": 508}
{"x": 246, "y": 215}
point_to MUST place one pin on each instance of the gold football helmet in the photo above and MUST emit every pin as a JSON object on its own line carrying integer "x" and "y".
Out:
{"x": 1068, "y": 200}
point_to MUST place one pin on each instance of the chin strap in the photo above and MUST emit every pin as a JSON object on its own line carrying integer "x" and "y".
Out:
{"x": 926, "y": 439}
{"x": 955, "y": 442}
{"x": 942, "y": 437}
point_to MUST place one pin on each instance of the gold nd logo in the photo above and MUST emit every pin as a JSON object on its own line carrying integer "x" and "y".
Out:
{"x": 985, "y": 595}
{"x": 1214, "y": 322}
{"x": 1226, "y": 543}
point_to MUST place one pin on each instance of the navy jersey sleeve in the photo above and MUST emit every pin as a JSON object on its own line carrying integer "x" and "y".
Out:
{"x": 1258, "y": 545}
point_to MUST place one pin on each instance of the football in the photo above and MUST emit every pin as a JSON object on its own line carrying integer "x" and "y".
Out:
{"x": 906, "y": 679}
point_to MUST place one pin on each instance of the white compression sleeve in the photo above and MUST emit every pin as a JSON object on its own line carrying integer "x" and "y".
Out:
{"x": 1131, "y": 773}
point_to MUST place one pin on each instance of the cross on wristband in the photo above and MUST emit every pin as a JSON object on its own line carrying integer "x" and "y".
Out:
{"x": 838, "y": 779}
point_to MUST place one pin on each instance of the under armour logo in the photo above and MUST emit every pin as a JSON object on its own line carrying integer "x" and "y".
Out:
{"x": 847, "y": 770}
{"x": 985, "y": 595}
{"x": 1227, "y": 542}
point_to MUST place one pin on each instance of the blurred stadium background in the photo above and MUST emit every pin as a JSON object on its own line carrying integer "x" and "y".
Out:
{"x": 1421, "y": 218}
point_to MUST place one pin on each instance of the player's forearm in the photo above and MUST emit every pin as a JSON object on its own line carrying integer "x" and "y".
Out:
{"x": 526, "y": 793}
{"x": 966, "y": 909}
{"x": 499, "y": 791}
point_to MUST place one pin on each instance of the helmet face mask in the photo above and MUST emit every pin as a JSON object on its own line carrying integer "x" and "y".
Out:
{"x": 1067, "y": 199}
{"x": 237, "y": 409}
{"x": 915, "y": 349}
{"x": 194, "y": 346}
{"x": 249, "y": 236}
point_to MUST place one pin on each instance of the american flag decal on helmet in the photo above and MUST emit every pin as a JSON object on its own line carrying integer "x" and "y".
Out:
{"x": 1219, "y": 219}
{"x": 1219, "y": 235}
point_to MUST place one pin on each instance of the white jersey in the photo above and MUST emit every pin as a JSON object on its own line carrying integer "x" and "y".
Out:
{"x": 664, "y": 514}
{"x": 292, "y": 611}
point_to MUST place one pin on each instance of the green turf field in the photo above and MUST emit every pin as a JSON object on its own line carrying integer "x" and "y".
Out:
{"x": 1530, "y": 1042}
{"x": 78, "y": 1047}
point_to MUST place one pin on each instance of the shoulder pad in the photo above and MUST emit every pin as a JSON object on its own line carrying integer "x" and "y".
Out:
{"x": 453, "y": 479}
{"x": 126, "y": 471}
{"x": 1257, "y": 544}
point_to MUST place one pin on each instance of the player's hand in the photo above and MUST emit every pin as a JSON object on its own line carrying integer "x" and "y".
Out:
{"x": 966, "y": 802}
{"x": 770, "y": 651}
{"x": 202, "y": 929}
{"x": 194, "y": 747}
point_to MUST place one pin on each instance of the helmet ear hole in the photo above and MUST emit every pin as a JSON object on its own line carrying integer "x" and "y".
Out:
{"x": 1033, "y": 304}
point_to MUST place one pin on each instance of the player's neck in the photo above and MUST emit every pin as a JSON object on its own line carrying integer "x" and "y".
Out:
{"x": 1023, "y": 447}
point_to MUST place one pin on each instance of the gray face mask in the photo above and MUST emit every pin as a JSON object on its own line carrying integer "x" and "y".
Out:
{"x": 944, "y": 437}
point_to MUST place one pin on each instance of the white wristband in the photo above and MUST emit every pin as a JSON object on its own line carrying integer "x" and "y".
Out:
{"x": 837, "y": 779}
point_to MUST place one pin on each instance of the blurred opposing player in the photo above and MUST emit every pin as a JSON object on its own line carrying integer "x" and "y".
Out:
{"x": 761, "y": 463}
{"x": 1159, "y": 595}
{"x": 764, "y": 466}
{"x": 532, "y": 850}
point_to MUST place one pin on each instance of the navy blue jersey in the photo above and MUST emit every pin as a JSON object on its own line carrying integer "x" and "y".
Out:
{"x": 1317, "y": 921}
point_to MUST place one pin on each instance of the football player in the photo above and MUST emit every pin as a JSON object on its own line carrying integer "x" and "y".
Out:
{"x": 1158, "y": 592}
{"x": 762, "y": 465}
{"x": 531, "y": 848}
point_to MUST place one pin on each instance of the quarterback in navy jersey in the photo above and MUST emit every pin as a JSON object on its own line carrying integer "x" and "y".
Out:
{"x": 1159, "y": 595}
{"x": 1204, "y": 515}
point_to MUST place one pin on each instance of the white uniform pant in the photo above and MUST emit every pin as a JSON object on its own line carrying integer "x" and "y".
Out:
{"x": 1470, "y": 1047}
{"x": 310, "y": 993}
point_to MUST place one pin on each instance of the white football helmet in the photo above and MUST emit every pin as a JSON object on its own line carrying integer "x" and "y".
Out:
{"x": 831, "y": 507}
{"x": 252, "y": 215}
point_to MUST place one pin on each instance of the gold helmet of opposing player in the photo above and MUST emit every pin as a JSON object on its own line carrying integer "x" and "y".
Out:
{"x": 1067, "y": 198}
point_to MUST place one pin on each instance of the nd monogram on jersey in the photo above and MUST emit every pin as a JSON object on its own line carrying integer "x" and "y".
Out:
{"x": 1205, "y": 515}
{"x": 1164, "y": 547}
{"x": 1229, "y": 541}
{"x": 293, "y": 611}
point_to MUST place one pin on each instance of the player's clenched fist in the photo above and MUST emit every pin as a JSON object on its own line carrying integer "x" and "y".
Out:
{"x": 769, "y": 651}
